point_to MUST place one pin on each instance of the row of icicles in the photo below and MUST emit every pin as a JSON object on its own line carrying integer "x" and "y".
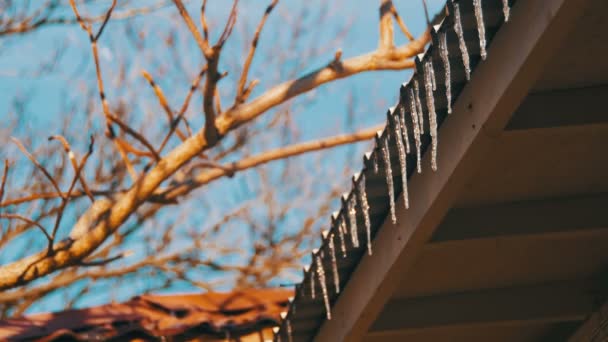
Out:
{"x": 346, "y": 219}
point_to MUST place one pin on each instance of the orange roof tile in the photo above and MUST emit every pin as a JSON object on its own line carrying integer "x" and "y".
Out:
{"x": 152, "y": 316}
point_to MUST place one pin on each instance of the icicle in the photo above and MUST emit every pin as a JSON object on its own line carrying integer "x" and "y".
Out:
{"x": 334, "y": 263}
{"x": 289, "y": 331}
{"x": 419, "y": 106}
{"x": 389, "y": 179}
{"x": 506, "y": 9}
{"x": 352, "y": 220}
{"x": 461, "y": 42}
{"x": 365, "y": 209}
{"x": 481, "y": 28}
{"x": 404, "y": 129}
{"x": 321, "y": 274}
{"x": 416, "y": 129}
{"x": 375, "y": 162}
{"x": 312, "y": 286}
{"x": 341, "y": 232}
{"x": 292, "y": 305}
{"x": 443, "y": 48}
{"x": 430, "y": 103}
{"x": 432, "y": 72}
{"x": 402, "y": 161}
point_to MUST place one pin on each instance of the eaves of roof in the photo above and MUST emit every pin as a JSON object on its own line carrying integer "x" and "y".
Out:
{"x": 459, "y": 43}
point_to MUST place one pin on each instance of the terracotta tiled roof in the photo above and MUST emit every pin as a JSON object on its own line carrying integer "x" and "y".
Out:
{"x": 155, "y": 317}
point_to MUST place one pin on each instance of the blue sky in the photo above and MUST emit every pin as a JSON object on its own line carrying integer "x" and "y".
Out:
{"x": 46, "y": 96}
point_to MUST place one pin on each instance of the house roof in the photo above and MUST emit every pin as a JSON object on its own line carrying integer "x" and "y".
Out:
{"x": 521, "y": 176}
{"x": 308, "y": 311}
{"x": 153, "y": 317}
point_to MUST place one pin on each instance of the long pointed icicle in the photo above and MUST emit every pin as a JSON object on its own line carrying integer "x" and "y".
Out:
{"x": 443, "y": 49}
{"x": 375, "y": 161}
{"x": 417, "y": 140}
{"x": 402, "y": 159}
{"x": 334, "y": 263}
{"x": 389, "y": 178}
{"x": 289, "y": 331}
{"x": 403, "y": 126}
{"x": 312, "y": 286}
{"x": 322, "y": 281}
{"x": 292, "y": 305}
{"x": 506, "y": 9}
{"x": 341, "y": 232}
{"x": 432, "y": 73}
{"x": 481, "y": 28}
{"x": 352, "y": 220}
{"x": 461, "y": 43}
{"x": 430, "y": 103}
{"x": 362, "y": 192}
{"x": 419, "y": 107}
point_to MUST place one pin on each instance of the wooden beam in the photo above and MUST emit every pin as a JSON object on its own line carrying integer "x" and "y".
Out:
{"x": 595, "y": 328}
{"x": 538, "y": 304}
{"x": 505, "y": 261}
{"x": 564, "y": 107}
{"x": 541, "y": 163}
{"x": 567, "y": 214}
{"x": 498, "y": 85}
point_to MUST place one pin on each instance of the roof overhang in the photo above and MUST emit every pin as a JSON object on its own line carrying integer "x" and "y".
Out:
{"x": 497, "y": 87}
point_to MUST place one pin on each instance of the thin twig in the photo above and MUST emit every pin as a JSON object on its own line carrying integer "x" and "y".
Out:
{"x": 29, "y": 221}
{"x": 163, "y": 102}
{"x": 68, "y": 149}
{"x": 35, "y": 162}
{"x": 401, "y": 24}
{"x": 203, "y": 44}
{"x": 104, "y": 103}
{"x": 240, "y": 90}
{"x": 426, "y": 13}
{"x": 106, "y": 261}
{"x": 195, "y": 84}
{"x": 228, "y": 26}
{"x": 139, "y": 137}
{"x": 66, "y": 199}
{"x": 3, "y": 183}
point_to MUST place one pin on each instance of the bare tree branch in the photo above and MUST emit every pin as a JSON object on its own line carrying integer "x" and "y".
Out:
{"x": 240, "y": 89}
{"x": 101, "y": 222}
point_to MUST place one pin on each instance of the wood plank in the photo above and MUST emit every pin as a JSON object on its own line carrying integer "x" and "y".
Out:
{"x": 537, "y": 304}
{"x": 562, "y": 214}
{"x": 540, "y": 163}
{"x": 506, "y": 261}
{"x": 498, "y": 85}
{"x": 563, "y": 107}
{"x": 494, "y": 333}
